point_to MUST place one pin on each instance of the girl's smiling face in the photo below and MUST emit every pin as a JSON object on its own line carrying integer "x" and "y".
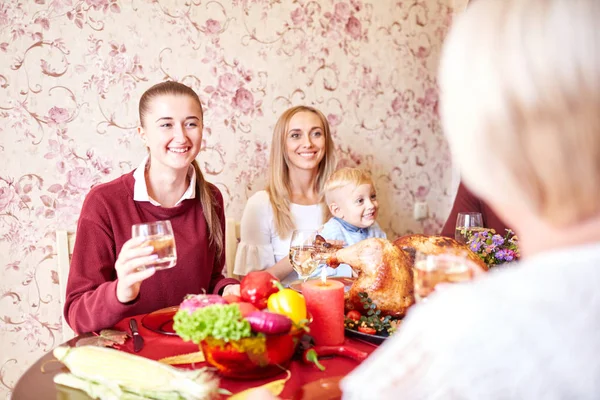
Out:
{"x": 172, "y": 131}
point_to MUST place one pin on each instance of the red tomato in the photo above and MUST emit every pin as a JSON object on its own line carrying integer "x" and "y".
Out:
{"x": 232, "y": 298}
{"x": 353, "y": 315}
{"x": 367, "y": 330}
{"x": 246, "y": 308}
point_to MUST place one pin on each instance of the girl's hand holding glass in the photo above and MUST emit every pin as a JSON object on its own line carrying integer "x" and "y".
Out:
{"x": 151, "y": 248}
{"x": 158, "y": 234}
{"x": 132, "y": 268}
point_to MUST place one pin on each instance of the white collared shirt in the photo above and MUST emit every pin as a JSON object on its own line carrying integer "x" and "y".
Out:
{"x": 140, "y": 190}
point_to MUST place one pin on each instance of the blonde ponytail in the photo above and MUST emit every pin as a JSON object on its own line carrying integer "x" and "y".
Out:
{"x": 208, "y": 201}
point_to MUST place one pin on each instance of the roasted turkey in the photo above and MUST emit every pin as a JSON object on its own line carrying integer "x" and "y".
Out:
{"x": 384, "y": 272}
{"x": 384, "y": 269}
{"x": 435, "y": 245}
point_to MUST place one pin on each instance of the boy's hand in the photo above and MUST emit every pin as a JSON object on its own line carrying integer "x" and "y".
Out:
{"x": 231, "y": 290}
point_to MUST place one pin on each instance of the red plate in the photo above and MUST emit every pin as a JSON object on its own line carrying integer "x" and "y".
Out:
{"x": 161, "y": 321}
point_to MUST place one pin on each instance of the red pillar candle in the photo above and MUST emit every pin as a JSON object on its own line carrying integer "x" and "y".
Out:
{"x": 325, "y": 302}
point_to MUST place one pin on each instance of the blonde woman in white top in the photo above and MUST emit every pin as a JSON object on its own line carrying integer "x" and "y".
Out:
{"x": 302, "y": 158}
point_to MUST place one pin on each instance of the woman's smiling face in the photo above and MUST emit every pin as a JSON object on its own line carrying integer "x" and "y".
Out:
{"x": 305, "y": 141}
{"x": 172, "y": 130}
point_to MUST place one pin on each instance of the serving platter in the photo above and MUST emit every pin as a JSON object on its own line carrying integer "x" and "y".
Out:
{"x": 374, "y": 339}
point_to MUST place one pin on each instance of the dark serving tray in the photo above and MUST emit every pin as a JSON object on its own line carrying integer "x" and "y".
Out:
{"x": 374, "y": 339}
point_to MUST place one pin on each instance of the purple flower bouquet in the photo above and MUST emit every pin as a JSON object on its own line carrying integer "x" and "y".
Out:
{"x": 492, "y": 248}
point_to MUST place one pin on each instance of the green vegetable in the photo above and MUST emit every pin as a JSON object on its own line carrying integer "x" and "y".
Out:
{"x": 219, "y": 321}
{"x": 373, "y": 319}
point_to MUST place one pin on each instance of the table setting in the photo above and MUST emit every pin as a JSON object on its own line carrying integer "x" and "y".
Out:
{"x": 297, "y": 342}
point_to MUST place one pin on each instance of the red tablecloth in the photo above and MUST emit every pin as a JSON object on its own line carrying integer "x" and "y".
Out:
{"x": 157, "y": 346}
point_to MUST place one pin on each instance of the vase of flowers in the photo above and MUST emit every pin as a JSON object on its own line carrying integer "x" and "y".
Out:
{"x": 493, "y": 248}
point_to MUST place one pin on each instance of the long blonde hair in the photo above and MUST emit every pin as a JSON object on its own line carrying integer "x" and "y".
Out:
{"x": 206, "y": 191}
{"x": 278, "y": 187}
{"x": 520, "y": 84}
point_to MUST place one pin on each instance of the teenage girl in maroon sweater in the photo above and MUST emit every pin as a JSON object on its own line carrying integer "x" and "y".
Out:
{"x": 105, "y": 284}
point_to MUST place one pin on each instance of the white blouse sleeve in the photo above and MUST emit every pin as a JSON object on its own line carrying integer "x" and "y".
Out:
{"x": 255, "y": 250}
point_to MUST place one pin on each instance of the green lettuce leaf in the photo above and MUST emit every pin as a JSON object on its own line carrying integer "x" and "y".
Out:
{"x": 218, "y": 321}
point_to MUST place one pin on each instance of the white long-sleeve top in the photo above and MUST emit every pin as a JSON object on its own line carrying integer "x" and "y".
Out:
{"x": 260, "y": 247}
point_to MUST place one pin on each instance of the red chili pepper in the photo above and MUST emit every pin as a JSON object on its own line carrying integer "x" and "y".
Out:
{"x": 367, "y": 330}
{"x": 311, "y": 356}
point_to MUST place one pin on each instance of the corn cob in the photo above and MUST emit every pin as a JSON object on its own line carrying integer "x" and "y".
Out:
{"x": 94, "y": 390}
{"x": 118, "y": 370}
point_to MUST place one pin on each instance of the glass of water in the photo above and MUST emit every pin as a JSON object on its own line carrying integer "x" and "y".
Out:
{"x": 158, "y": 234}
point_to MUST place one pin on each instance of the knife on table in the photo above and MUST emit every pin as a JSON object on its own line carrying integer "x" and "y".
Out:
{"x": 138, "y": 340}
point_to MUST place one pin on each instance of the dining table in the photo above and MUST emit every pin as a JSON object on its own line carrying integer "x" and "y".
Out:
{"x": 306, "y": 381}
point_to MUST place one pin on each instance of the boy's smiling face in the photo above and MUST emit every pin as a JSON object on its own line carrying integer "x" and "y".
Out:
{"x": 356, "y": 205}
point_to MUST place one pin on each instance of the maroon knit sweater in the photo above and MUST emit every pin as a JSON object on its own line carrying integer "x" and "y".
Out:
{"x": 466, "y": 201}
{"x": 104, "y": 226}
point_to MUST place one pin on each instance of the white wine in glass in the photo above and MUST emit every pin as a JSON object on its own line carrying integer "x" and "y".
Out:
{"x": 466, "y": 224}
{"x": 302, "y": 251}
{"x": 159, "y": 235}
{"x": 433, "y": 269}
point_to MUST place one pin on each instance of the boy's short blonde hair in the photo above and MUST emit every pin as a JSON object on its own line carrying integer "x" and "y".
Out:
{"x": 343, "y": 177}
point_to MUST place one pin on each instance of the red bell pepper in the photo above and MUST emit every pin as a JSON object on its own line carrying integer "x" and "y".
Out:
{"x": 256, "y": 287}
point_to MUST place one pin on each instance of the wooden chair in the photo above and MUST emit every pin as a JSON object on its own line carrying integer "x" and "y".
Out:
{"x": 65, "y": 242}
{"x": 232, "y": 238}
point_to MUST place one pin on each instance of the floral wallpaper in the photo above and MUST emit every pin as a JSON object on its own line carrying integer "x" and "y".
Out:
{"x": 71, "y": 72}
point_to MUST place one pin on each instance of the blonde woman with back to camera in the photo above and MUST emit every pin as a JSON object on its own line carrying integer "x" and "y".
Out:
{"x": 520, "y": 86}
{"x": 302, "y": 158}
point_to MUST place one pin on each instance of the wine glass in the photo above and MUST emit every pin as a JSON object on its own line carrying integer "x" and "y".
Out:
{"x": 467, "y": 223}
{"x": 159, "y": 234}
{"x": 431, "y": 270}
{"x": 302, "y": 249}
